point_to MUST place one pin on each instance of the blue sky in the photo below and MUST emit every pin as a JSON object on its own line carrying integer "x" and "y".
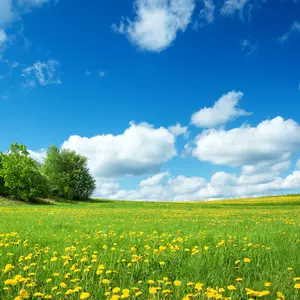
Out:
{"x": 226, "y": 72}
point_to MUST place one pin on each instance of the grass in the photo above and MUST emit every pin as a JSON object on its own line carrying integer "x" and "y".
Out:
{"x": 151, "y": 250}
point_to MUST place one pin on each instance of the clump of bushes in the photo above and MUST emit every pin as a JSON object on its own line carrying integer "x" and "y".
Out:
{"x": 63, "y": 174}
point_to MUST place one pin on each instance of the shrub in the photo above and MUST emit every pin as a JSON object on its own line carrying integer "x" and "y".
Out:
{"x": 68, "y": 174}
{"x": 21, "y": 174}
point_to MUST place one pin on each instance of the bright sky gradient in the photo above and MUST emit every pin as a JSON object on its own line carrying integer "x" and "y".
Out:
{"x": 168, "y": 99}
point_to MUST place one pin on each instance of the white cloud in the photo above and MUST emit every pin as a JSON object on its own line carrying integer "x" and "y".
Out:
{"x": 3, "y": 37}
{"x": 184, "y": 185}
{"x": 255, "y": 179}
{"x": 230, "y": 186}
{"x": 223, "y": 111}
{"x": 271, "y": 142}
{"x": 232, "y": 7}
{"x": 295, "y": 28}
{"x": 248, "y": 46}
{"x": 141, "y": 149}
{"x": 206, "y": 14}
{"x": 38, "y": 156}
{"x": 157, "y": 23}
{"x": 6, "y": 12}
{"x": 223, "y": 179}
{"x": 30, "y": 3}
{"x": 42, "y": 73}
{"x": 154, "y": 180}
{"x": 292, "y": 181}
{"x": 105, "y": 188}
{"x": 221, "y": 185}
{"x": 273, "y": 166}
{"x": 3, "y": 40}
{"x": 178, "y": 130}
{"x": 11, "y": 10}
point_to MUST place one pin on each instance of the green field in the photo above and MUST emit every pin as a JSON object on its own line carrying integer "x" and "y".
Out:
{"x": 239, "y": 249}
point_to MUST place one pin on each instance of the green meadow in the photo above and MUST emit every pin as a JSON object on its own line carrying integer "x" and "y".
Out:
{"x": 237, "y": 249}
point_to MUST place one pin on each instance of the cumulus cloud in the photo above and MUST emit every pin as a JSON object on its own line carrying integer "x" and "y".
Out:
{"x": 272, "y": 141}
{"x": 155, "y": 179}
{"x": 141, "y": 149}
{"x": 224, "y": 110}
{"x": 184, "y": 185}
{"x": 178, "y": 129}
{"x": 221, "y": 185}
{"x": 231, "y": 7}
{"x": 157, "y": 23}
{"x": 223, "y": 179}
{"x": 282, "y": 164}
{"x": 295, "y": 28}
{"x": 41, "y": 73}
{"x": 105, "y": 188}
{"x": 38, "y": 156}
{"x": 224, "y": 185}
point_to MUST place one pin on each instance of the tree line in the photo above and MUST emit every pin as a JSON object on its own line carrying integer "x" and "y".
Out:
{"x": 64, "y": 174}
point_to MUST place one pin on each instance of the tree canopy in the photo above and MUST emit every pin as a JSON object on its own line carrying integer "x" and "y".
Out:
{"x": 64, "y": 174}
{"x": 68, "y": 174}
{"x": 21, "y": 175}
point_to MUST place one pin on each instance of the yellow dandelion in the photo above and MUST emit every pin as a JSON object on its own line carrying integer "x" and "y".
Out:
{"x": 116, "y": 290}
{"x": 10, "y": 282}
{"x": 150, "y": 281}
{"x": 152, "y": 291}
{"x": 105, "y": 281}
{"x": 24, "y": 294}
{"x": 267, "y": 284}
{"x": 38, "y": 294}
{"x": 84, "y": 295}
{"x": 177, "y": 283}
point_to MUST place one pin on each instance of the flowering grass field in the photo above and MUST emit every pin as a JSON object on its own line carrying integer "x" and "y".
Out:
{"x": 240, "y": 249}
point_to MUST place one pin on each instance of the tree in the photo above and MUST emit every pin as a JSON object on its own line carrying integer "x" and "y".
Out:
{"x": 68, "y": 174}
{"x": 21, "y": 174}
{"x": 2, "y": 187}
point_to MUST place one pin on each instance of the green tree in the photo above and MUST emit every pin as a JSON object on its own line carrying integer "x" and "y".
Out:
{"x": 21, "y": 174}
{"x": 68, "y": 174}
{"x": 2, "y": 187}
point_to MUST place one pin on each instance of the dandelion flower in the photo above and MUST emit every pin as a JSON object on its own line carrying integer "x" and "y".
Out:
{"x": 152, "y": 291}
{"x": 177, "y": 282}
{"x": 84, "y": 295}
{"x": 267, "y": 284}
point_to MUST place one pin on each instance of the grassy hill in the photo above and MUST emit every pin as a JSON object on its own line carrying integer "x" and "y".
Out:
{"x": 231, "y": 249}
